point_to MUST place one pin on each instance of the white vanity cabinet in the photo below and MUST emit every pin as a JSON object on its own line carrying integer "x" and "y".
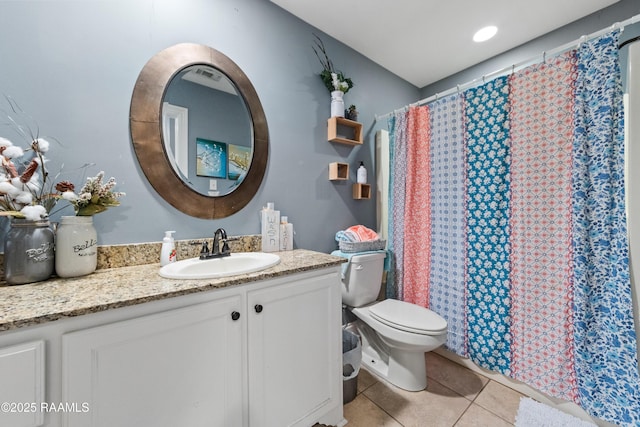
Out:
{"x": 264, "y": 354}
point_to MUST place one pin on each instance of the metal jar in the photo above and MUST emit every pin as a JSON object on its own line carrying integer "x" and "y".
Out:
{"x": 28, "y": 252}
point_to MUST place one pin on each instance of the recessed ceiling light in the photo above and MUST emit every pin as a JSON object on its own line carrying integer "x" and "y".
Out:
{"x": 485, "y": 33}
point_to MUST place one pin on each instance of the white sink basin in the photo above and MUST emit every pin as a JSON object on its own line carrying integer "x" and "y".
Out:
{"x": 236, "y": 263}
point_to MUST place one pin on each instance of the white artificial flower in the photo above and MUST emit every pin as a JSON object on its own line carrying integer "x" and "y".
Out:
{"x": 70, "y": 196}
{"x": 7, "y": 188}
{"x": 34, "y": 213}
{"x": 336, "y": 83}
{"x": 32, "y": 185}
{"x": 42, "y": 145}
{"x": 4, "y": 142}
{"x": 23, "y": 197}
{"x": 13, "y": 152}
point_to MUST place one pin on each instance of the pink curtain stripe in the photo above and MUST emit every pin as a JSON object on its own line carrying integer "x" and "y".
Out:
{"x": 417, "y": 214}
{"x": 541, "y": 288}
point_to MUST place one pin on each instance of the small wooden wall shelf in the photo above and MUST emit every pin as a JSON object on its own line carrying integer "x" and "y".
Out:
{"x": 352, "y": 136}
{"x": 338, "y": 171}
{"x": 361, "y": 191}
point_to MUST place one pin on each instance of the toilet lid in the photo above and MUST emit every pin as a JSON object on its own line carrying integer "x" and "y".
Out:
{"x": 408, "y": 317}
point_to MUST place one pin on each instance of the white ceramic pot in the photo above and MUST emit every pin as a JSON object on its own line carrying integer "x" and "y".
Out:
{"x": 337, "y": 104}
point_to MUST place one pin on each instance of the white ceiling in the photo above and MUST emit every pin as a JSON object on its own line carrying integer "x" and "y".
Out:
{"x": 423, "y": 41}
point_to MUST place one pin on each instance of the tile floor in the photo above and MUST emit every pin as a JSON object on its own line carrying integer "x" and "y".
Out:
{"x": 455, "y": 396}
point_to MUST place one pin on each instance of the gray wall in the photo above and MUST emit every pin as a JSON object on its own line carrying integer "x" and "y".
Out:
{"x": 72, "y": 65}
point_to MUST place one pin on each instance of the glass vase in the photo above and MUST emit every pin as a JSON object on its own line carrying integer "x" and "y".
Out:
{"x": 76, "y": 246}
{"x": 337, "y": 104}
{"x": 28, "y": 251}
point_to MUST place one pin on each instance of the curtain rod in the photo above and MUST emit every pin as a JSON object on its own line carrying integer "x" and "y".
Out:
{"x": 512, "y": 68}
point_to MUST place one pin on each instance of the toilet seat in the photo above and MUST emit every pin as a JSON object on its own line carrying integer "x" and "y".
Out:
{"x": 408, "y": 317}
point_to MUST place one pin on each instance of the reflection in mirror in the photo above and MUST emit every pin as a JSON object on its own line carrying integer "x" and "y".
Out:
{"x": 175, "y": 134}
{"x": 207, "y": 130}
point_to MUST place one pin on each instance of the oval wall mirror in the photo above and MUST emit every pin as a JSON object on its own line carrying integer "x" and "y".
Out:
{"x": 199, "y": 131}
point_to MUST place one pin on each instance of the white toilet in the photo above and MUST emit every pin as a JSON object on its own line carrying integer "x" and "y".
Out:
{"x": 395, "y": 334}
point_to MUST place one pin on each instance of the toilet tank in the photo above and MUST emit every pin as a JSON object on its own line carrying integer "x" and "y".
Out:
{"x": 362, "y": 279}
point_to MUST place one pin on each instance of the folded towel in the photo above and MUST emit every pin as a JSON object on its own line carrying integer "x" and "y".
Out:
{"x": 357, "y": 233}
{"x": 364, "y": 234}
{"x": 346, "y": 236}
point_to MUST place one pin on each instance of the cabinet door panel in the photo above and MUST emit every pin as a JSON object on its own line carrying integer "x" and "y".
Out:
{"x": 182, "y": 367}
{"x": 22, "y": 384}
{"x": 293, "y": 354}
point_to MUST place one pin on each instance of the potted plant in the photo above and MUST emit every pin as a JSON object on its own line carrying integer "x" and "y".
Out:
{"x": 351, "y": 113}
{"x": 334, "y": 80}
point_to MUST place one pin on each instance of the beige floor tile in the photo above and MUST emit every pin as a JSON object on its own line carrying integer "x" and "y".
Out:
{"x": 436, "y": 406}
{"x": 454, "y": 376}
{"x": 365, "y": 380}
{"x": 361, "y": 412}
{"x": 477, "y": 416}
{"x": 499, "y": 399}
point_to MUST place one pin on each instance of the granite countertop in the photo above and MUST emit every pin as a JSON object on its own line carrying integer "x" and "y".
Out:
{"x": 108, "y": 288}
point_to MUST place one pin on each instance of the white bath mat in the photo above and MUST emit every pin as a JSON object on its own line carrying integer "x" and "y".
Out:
{"x": 536, "y": 414}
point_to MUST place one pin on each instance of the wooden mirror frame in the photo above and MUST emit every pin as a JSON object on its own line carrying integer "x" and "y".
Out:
{"x": 145, "y": 121}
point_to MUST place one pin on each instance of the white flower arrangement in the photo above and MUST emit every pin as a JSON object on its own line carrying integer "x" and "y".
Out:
{"x": 23, "y": 191}
{"x": 332, "y": 79}
{"x": 26, "y": 189}
{"x": 342, "y": 86}
{"x": 93, "y": 198}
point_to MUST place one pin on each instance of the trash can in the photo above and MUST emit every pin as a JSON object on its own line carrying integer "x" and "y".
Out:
{"x": 351, "y": 360}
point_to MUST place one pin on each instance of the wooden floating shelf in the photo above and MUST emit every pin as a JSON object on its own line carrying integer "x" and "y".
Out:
{"x": 361, "y": 191}
{"x": 338, "y": 171}
{"x": 352, "y": 136}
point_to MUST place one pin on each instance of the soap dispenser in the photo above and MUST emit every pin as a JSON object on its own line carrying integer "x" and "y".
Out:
{"x": 168, "y": 251}
{"x": 362, "y": 174}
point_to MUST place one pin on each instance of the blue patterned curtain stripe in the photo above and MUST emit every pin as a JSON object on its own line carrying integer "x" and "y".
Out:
{"x": 448, "y": 239}
{"x": 605, "y": 358}
{"x": 487, "y": 138}
{"x": 391, "y": 290}
{"x": 397, "y": 192}
{"x": 604, "y": 334}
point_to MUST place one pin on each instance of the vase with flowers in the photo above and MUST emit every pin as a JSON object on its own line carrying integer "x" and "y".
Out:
{"x": 334, "y": 80}
{"x": 24, "y": 197}
{"x": 27, "y": 196}
{"x": 76, "y": 236}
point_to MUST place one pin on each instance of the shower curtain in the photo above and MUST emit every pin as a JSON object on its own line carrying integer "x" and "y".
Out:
{"x": 527, "y": 257}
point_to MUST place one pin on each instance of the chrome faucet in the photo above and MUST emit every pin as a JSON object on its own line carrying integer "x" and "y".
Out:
{"x": 219, "y": 236}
